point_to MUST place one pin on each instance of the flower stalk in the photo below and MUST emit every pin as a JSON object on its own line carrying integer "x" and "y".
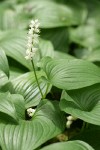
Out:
{"x": 32, "y": 46}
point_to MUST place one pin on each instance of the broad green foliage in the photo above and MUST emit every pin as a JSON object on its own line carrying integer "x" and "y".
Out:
{"x": 36, "y": 131}
{"x": 70, "y": 74}
{"x": 14, "y": 44}
{"x": 26, "y": 85}
{"x": 55, "y": 91}
{"x": 76, "y": 145}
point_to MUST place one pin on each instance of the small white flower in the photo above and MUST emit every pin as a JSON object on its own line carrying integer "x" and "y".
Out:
{"x": 33, "y": 41}
{"x": 36, "y": 21}
{"x": 29, "y": 45}
{"x": 36, "y": 30}
{"x": 30, "y": 112}
{"x": 30, "y": 31}
{"x": 32, "y": 24}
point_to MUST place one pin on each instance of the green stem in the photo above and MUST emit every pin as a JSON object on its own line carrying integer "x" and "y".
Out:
{"x": 37, "y": 79}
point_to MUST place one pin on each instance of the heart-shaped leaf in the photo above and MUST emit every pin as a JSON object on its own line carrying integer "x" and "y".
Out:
{"x": 70, "y": 74}
{"x": 26, "y": 85}
{"x": 47, "y": 122}
{"x": 71, "y": 145}
{"x": 83, "y": 103}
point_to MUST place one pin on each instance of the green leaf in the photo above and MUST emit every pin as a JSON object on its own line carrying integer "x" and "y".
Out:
{"x": 26, "y": 85}
{"x": 14, "y": 44}
{"x": 71, "y": 145}
{"x": 46, "y": 123}
{"x": 70, "y": 74}
{"x": 83, "y": 103}
{"x": 4, "y": 63}
{"x": 57, "y": 15}
{"x": 7, "y": 109}
{"x": 91, "y": 137}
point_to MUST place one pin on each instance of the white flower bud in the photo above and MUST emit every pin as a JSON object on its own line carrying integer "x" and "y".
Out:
{"x": 30, "y": 31}
{"x": 30, "y": 112}
{"x": 68, "y": 124}
{"x": 27, "y": 51}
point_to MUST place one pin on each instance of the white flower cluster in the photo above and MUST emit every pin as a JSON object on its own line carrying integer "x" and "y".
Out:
{"x": 33, "y": 41}
{"x": 70, "y": 121}
{"x": 30, "y": 112}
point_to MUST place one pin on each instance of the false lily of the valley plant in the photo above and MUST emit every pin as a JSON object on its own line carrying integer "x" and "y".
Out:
{"x": 49, "y": 75}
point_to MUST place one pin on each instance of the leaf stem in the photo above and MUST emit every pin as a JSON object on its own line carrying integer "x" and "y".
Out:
{"x": 37, "y": 78}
